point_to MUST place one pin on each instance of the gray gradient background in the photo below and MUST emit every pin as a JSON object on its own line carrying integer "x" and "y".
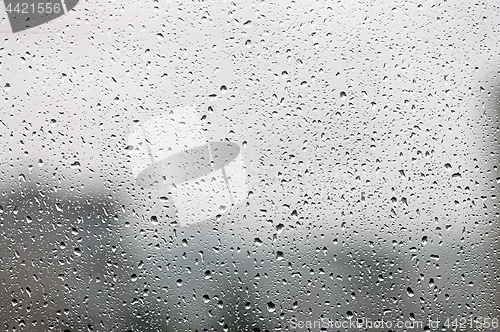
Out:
{"x": 347, "y": 114}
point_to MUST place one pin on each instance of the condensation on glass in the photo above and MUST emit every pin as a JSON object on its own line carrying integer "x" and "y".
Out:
{"x": 337, "y": 162}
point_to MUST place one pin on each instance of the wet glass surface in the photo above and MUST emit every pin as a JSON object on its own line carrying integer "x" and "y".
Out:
{"x": 251, "y": 166}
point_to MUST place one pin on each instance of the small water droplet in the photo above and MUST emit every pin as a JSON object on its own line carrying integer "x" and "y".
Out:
{"x": 154, "y": 220}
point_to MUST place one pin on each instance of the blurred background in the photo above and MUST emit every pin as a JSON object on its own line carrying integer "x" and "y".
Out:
{"x": 369, "y": 131}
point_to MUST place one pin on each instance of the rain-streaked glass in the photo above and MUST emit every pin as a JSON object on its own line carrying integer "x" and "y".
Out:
{"x": 250, "y": 166}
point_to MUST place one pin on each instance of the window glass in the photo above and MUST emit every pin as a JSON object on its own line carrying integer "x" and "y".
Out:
{"x": 249, "y": 166}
